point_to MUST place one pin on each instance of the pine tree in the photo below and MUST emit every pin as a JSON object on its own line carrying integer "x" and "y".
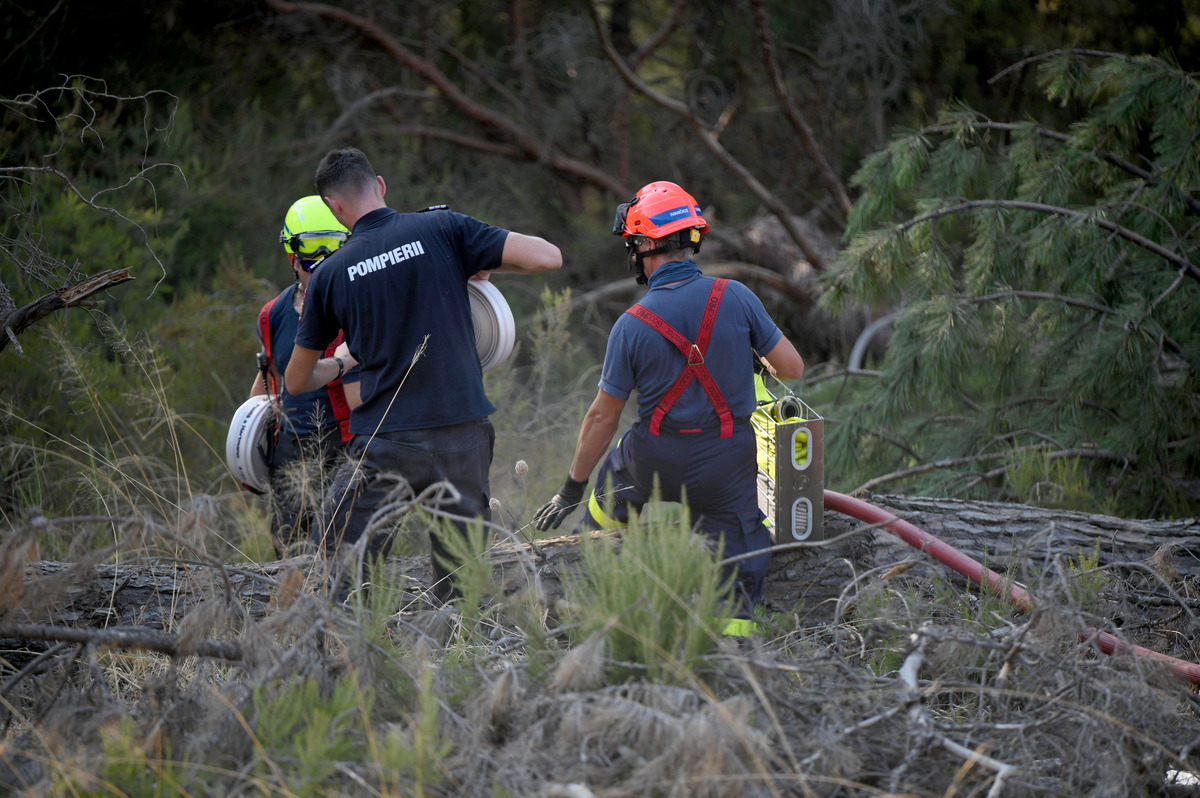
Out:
{"x": 1050, "y": 303}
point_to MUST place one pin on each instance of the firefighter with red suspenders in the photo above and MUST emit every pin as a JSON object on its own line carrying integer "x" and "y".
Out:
{"x": 311, "y": 427}
{"x": 687, "y": 348}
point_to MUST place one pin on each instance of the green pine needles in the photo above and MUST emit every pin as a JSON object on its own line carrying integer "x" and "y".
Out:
{"x": 1048, "y": 292}
{"x": 659, "y": 602}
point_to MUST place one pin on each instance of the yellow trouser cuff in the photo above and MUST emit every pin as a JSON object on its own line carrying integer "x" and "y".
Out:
{"x": 602, "y": 518}
{"x": 739, "y": 627}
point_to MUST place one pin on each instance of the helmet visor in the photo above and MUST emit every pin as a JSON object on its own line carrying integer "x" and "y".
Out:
{"x": 619, "y": 219}
{"x": 316, "y": 244}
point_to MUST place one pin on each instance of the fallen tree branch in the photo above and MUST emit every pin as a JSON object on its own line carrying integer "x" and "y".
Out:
{"x": 807, "y": 580}
{"x": 528, "y": 144}
{"x": 777, "y": 208}
{"x": 124, "y": 637}
{"x": 798, "y": 292}
{"x": 809, "y": 139}
{"x": 29, "y": 314}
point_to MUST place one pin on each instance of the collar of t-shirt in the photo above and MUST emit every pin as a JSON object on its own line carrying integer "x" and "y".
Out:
{"x": 371, "y": 217}
{"x": 673, "y": 272}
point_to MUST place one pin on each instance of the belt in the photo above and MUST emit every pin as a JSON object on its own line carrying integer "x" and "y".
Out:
{"x": 669, "y": 430}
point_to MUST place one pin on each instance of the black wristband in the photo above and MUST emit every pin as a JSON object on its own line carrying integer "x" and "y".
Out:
{"x": 573, "y": 484}
{"x": 341, "y": 367}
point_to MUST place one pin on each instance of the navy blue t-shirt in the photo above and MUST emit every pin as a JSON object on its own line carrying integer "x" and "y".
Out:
{"x": 398, "y": 283}
{"x": 308, "y": 412}
{"x": 638, "y": 356}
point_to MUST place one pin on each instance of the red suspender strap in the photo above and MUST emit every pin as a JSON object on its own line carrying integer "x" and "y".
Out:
{"x": 693, "y": 354}
{"x": 264, "y": 328}
{"x": 337, "y": 395}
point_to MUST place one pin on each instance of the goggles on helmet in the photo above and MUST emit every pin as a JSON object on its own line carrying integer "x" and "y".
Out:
{"x": 314, "y": 245}
{"x": 622, "y": 213}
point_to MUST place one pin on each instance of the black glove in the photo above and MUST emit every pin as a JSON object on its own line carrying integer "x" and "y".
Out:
{"x": 554, "y": 511}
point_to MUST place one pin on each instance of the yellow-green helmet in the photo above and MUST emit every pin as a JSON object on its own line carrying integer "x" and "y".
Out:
{"x": 311, "y": 231}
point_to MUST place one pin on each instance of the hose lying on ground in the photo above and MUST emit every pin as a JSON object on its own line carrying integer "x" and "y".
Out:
{"x": 986, "y": 577}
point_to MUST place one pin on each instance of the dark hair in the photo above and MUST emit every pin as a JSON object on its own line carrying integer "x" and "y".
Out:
{"x": 344, "y": 171}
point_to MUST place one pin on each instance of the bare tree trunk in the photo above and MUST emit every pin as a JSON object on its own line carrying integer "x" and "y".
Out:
{"x": 808, "y": 580}
{"x": 1158, "y": 556}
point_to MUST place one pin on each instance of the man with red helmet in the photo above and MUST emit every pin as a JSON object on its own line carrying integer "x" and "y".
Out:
{"x": 687, "y": 349}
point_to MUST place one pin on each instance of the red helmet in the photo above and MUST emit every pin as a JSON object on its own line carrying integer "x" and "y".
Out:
{"x": 665, "y": 213}
{"x": 659, "y": 209}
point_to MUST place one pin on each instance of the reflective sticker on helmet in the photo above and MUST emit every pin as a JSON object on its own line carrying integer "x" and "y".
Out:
{"x": 659, "y": 219}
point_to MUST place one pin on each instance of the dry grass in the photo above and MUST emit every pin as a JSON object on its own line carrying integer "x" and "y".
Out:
{"x": 917, "y": 691}
{"x": 240, "y": 678}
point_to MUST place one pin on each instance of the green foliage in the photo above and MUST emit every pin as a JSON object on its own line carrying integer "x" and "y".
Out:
{"x": 409, "y": 755}
{"x": 254, "y": 543}
{"x": 540, "y": 394}
{"x": 82, "y": 172}
{"x": 118, "y": 411}
{"x": 660, "y": 601}
{"x": 887, "y": 611}
{"x": 114, "y": 445}
{"x": 1043, "y": 480}
{"x": 307, "y": 731}
{"x": 473, "y": 577}
{"x": 1047, "y": 290}
{"x": 131, "y": 770}
{"x": 373, "y": 597}
{"x": 1087, "y": 581}
{"x": 157, "y": 401}
{"x": 875, "y": 613}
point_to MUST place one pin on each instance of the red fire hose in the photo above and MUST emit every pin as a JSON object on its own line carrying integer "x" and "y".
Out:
{"x": 986, "y": 577}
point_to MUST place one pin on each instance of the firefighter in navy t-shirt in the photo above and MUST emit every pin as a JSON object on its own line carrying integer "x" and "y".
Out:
{"x": 398, "y": 288}
{"x": 686, "y": 348}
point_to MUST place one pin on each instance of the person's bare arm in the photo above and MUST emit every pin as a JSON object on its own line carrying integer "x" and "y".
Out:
{"x": 596, "y": 434}
{"x": 784, "y": 361}
{"x": 300, "y": 371}
{"x": 352, "y": 390}
{"x": 528, "y": 255}
{"x": 353, "y": 393}
{"x": 343, "y": 351}
{"x": 308, "y": 371}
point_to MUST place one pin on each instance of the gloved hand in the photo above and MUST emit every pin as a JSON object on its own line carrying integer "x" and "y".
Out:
{"x": 552, "y": 513}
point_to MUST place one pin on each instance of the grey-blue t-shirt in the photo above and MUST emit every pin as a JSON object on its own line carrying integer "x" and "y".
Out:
{"x": 398, "y": 288}
{"x": 640, "y": 357}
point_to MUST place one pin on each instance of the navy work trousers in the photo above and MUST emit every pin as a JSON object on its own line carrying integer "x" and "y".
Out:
{"x": 460, "y": 454}
{"x": 299, "y": 472}
{"x": 719, "y": 476}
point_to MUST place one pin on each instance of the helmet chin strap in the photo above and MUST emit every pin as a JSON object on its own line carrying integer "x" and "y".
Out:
{"x": 637, "y": 257}
{"x": 636, "y": 264}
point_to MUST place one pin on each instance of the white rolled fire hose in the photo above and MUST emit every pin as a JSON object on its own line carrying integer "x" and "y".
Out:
{"x": 246, "y": 442}
{"x": 495, "y": 331}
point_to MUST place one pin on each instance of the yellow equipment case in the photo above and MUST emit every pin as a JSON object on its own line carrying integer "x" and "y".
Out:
{"x": 791, "y": 465}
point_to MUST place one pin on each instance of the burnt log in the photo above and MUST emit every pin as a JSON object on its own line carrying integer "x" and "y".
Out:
{"x": 1008, "y": 538}
{"x": 1155, "y": 561}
